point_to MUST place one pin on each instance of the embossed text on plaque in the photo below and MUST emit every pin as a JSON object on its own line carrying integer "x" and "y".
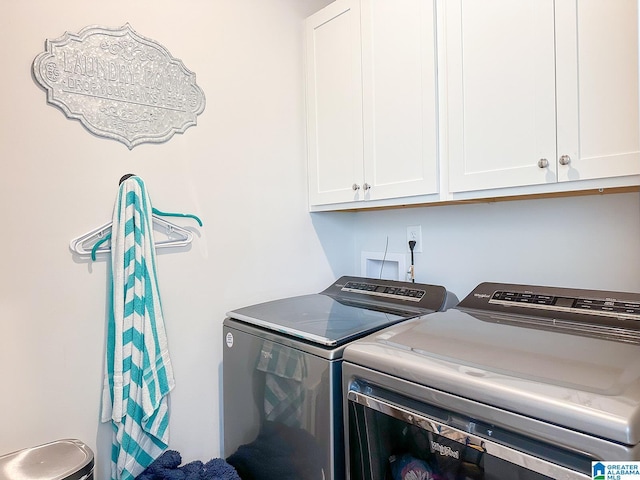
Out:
{"x": 119, "y": 85}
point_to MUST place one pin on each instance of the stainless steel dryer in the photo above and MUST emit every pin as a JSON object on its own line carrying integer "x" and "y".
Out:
{"x": 517, "y": 381}
{"x": 282, "y": 373}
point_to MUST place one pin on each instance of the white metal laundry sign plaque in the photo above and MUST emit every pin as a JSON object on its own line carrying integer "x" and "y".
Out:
{"x": 119, "y": 85}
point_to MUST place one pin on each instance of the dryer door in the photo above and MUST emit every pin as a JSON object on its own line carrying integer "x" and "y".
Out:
{"x": 392, "y": 441}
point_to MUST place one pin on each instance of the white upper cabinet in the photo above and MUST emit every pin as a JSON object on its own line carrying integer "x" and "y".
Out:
{"x": 501, "y": 92}
{"x": 540, "y": 91}
{"x": 597, "y": 81}
{"x": 334, "y": 103}
{"x": 372, "y": 119}
{"x": 416, "y": 101}
{"x": 400, "y": 113}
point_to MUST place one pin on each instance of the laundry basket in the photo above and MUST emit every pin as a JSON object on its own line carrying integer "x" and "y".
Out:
{"x": 60, "y": 460}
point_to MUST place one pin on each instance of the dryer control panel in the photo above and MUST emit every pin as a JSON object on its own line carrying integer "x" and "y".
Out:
{"x": 596, "y": 306}
{"x": 615, "y": 309}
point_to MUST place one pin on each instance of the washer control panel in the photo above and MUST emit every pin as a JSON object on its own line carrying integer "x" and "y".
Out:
{"x": 389, "y": 291}
{"x": 416, "y": 297}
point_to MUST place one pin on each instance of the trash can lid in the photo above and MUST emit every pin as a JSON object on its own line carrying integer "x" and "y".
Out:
{"x": 67, "y": 459}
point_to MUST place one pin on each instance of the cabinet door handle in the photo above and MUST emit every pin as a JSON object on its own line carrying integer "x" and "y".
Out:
{"x": 565, "y": 160}
{"x": 366, "y": 186}
{"x": 543, "y": 163}
{"x": 355, "y": 187}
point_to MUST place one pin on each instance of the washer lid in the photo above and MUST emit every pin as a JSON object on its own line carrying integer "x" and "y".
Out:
{"x": 317, "y": 318}
{"x": 584, "y": 383}
{"x": 351, "y": 307}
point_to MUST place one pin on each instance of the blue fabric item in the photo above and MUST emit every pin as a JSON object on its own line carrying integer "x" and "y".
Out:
{"x": 406, "y": 467}
{"x": 138, "y": 376}
{"x": 279, "y": 452}
{"x": 166, "y": 467}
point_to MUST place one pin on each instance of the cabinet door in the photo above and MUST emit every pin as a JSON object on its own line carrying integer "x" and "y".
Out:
{"x": 598, "y": 106}
{"x": 500, "y": 87}
{"x": 334, "y": 103}
{"x": 399, "y": 98}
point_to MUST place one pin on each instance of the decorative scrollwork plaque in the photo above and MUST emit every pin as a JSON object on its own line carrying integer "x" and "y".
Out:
{"x": 119, "y": 85}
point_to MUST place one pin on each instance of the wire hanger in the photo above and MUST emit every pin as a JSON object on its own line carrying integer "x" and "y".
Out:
{"x": 92, "y": 242}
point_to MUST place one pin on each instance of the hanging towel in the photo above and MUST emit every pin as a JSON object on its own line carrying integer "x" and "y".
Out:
{"x": 138, "y": 372}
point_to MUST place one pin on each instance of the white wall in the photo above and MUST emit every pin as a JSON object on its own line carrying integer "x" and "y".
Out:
{"x": 241, "y": 170}
{"x": 582, "y": 242}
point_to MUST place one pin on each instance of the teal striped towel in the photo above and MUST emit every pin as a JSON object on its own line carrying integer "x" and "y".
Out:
{"x": 138, "y": 372}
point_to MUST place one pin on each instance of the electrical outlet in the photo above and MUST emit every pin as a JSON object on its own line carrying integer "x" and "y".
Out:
{"x": 415, "y": 233}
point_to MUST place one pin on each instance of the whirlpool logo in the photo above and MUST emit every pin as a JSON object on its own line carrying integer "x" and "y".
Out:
{"x": 444, "y": 450}
{"x": 482, "y": 295}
